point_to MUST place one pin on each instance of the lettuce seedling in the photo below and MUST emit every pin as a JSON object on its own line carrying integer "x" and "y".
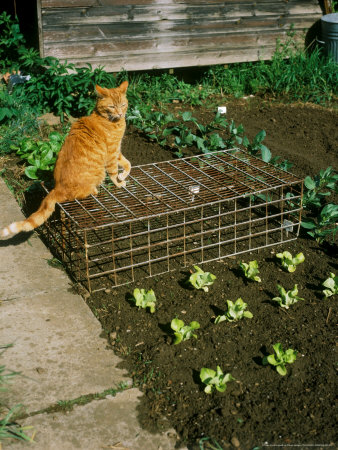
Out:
{"x": 215, "y": 380}
{"x": 280, "y": 358}
{"x": 288, "y": 262}
{"x": 250, "y": 270}
{"x": 201, "y": 279}
{"x": 287, "y": 298}
{"x": 235, "y": 311}
{"x": 331, "y": 284}
{"x": 145, "y": 299}
{"x": 183, "y": 332}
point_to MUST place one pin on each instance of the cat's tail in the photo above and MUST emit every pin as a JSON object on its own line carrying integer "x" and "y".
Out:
{"x": 36, "y": 219}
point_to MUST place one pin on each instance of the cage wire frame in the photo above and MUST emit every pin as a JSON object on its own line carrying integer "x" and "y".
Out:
{"x": 174, "y": 214}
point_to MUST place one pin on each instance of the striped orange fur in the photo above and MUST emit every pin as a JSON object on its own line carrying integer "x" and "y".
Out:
{"x": 92, "y": 147}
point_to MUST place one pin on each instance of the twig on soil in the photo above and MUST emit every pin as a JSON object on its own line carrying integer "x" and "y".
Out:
{"x": 328, "y": 316}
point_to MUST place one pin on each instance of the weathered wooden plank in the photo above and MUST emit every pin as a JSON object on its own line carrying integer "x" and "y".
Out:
{"x": 139, "y": 61}
{"x": 129, "y": 13}
{"x": 139, "y": 31}
{"x": 71, "y": 50}
{"x": 88, "y": 3}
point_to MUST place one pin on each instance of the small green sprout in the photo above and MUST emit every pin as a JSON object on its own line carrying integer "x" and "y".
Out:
{"x": 201, "y": 279}
{"x": 183, "y": 332}
{"x": 288, "y": 262}
{"x": 287, "y": 298}
{"x": 145, "y": 299}
{"x": 250, "y": 270}
{"x": 280, "y": 358}
{"x": 215, "y": 379}
{"x": 235, "y": 311}
{"x": 331, "y": 284}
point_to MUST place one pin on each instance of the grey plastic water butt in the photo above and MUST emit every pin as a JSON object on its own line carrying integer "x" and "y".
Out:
{"x": 329, "y": 35}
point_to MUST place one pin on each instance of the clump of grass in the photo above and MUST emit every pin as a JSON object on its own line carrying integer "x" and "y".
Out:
{"x": 9, "y": 429}
{"x": 293, "y": 72}
{"x": 17, "y": 120}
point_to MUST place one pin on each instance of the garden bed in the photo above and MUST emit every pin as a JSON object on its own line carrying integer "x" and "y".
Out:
{"x": 260, "y": 407}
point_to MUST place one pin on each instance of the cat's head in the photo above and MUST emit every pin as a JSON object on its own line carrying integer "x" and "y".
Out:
{"x": 112, "y": 103}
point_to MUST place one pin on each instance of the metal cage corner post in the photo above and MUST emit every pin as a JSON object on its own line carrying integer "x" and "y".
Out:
{"x": 174, "y": 214}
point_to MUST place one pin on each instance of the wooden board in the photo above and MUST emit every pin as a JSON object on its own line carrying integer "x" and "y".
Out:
{"x": 147, "y": 34}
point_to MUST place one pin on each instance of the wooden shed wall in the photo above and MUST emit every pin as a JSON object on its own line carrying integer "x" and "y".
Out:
{"x": 150, "y": 34}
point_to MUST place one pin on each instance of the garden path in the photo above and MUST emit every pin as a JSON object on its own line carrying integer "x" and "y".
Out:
{"x": 61, "y": 355}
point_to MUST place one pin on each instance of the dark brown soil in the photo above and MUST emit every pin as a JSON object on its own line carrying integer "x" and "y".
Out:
{"x": 261, "y": 407}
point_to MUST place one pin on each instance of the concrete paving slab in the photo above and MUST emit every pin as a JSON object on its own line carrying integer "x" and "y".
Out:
{"x": 102, "y": 424}
{"x": 23, "y": 258}
{"x": 58, "y": 349}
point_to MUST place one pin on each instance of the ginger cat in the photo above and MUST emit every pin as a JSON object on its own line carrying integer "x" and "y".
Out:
{"x": 92, "y": 147}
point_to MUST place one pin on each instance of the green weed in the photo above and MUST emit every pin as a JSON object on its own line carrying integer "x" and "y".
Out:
{"x": 9, "y": 428}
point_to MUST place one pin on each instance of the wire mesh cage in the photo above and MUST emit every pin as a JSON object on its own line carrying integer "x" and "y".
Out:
{"x": 174, "y": 214}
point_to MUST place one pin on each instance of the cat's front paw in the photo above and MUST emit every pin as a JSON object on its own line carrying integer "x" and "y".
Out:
{"x": 118, "y": 183}
{"x": 122, "y": 184}
{"x": 123, "y": 175}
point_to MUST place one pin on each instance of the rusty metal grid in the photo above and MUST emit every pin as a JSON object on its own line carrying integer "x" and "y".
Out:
{"x": 173, "y": 214}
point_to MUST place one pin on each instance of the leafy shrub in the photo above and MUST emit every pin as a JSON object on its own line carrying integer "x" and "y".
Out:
{"x": 11, "y": 42}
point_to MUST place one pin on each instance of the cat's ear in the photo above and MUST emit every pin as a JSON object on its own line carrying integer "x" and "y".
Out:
{"x": 123, "y": 86}
{"x": 101, "y": 92}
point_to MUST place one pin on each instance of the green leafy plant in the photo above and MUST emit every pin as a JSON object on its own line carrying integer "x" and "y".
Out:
{"x": 324, "y": 224}
{"x": 319, "y": 187}
{"x": 184, "y": 332}
{"x": 215, "y": 379}
{"x": 250, "y": 270}
{"x": 280, "y": 358}
{"x": 40, "y": 155}
{"x": 287, "y": 298}
{"x": 201, "y": 279}
{"x": 256, "y": 146}
{"x": 288, "y": 262}
{"x": 235, "y": 311}
{"x": 152, "y": 123}
{"x": 145, "y": 299}
{"x": 331, "y": 285}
